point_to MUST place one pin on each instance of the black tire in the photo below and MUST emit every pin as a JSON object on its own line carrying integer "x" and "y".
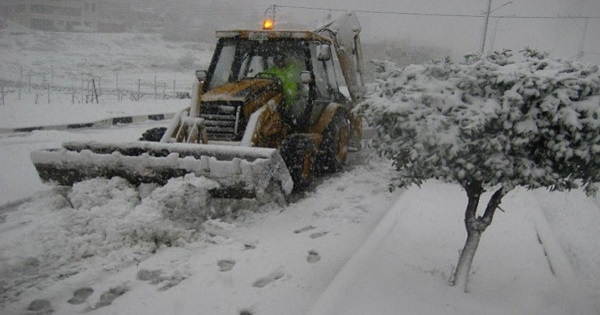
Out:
{"x": 154, "y": 134}
{"x": 334, "y": 148}
{"x": 299, "y": 153}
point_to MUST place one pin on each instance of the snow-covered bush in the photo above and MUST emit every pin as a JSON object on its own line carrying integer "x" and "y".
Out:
{"x": 491, "y": 122}
{"x": 532, "y": 122}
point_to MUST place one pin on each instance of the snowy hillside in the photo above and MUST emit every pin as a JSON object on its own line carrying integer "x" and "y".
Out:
{"x": 34, "y": 64}
{"x": 347, "y": 246}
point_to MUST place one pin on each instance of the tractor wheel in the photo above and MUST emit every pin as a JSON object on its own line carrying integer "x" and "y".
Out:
{"x": 154, "y": 134}
{"x": 299, "y": 153}
{"x": 334, "y": 148}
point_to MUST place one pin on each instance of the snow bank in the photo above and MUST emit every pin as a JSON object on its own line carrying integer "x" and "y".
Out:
{"x": 106, "y": 223}
{"x": 574, "y": 219}
{"x": 61, "y": 112}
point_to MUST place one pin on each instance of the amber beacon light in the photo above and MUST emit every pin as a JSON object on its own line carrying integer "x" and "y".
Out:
{"x": 268, "y": 24}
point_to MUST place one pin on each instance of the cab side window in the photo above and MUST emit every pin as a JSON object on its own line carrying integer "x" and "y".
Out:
{"x": 321, "y": 70}
{"x": 222, "y": 72}
{"x": 326, "y": 87}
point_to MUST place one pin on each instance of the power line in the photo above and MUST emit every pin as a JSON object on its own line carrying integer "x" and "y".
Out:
{"x": 545, "y": 17}
{"x": 379, "y": 12}
{"x": 442, "y": 14}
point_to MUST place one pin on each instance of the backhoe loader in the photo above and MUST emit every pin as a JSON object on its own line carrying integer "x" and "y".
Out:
{"x": 242, "y": 129}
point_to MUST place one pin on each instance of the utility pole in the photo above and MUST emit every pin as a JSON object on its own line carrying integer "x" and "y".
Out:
{"x": 493, "y": 38}
{"x": 580, "y": 53}
{"x": 485, "y": 24}
{"x": 487, "y": 20}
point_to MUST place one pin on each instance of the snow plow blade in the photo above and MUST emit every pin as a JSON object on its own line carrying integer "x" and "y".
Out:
{"x": 242, "y": 172}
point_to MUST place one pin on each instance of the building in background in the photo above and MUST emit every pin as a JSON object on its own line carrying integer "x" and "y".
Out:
{"x": 75, "y": 15}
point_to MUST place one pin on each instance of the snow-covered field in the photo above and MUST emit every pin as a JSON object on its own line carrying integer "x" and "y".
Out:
{"x": 348, "y": 246}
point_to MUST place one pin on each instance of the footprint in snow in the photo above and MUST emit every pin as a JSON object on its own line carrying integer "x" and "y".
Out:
{"x": 318, "y": 234}
{"x": 225, "y": 265}
{"x": 155, "y": 277}
{"x": 264, "y": 281}
{"x": 109, "y": 296}
{"x": 304, "y": 229}
{"x": 149, "y": 275}
{"x": 40, "y": 307}
{"x": 313, "y": 257}
{"x": 249, "y": 245}
{"x": 172, "y": 281}
{"x": 80, "y": 295}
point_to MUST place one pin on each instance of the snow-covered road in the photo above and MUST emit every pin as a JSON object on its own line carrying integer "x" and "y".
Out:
{"x": 255, "y": 258}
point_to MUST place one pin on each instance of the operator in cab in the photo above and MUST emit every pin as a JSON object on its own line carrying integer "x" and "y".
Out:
{"x": 287, "y": 69}
{"x": 289, "y": 74}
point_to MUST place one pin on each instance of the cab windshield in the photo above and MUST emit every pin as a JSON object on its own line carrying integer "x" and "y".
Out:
{"x": 238, "y": 59}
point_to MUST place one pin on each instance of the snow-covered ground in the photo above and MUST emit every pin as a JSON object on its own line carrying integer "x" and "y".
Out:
{"x": 348, "y": 246}
{"x": 70, "y": 60}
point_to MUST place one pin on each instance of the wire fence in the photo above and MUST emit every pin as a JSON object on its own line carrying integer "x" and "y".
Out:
{"x": 45, "y": 85}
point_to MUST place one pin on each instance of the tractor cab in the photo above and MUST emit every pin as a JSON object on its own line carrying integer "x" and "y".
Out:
{"x": 312, "y": 78}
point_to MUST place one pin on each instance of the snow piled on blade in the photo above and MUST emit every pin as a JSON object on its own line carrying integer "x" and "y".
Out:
{"x": 252, "y": 169}
{"x": 108, "y": 223}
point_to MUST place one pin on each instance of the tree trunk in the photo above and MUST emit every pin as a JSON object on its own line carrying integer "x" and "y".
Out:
{"x": 465, "y": 261}
{"x": 475, "y": 226}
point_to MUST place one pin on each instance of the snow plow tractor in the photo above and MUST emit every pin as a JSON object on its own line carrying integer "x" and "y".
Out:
{"x": 272, "y": 110}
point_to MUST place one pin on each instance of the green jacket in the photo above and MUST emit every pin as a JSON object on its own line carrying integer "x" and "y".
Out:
{"x": 290, "y": 78}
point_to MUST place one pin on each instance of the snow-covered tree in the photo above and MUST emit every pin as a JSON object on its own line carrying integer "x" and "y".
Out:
{"x": 491, "y": 123}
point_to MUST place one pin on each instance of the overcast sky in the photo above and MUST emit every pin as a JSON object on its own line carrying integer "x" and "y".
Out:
{"x": 562, "y": 38}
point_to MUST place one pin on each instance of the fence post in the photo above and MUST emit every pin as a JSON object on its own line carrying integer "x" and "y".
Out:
{"x": 20, "y": 82}
{"x": 87, "y": 90}
{"x": 117, "y": 86}
{"x": 73, "y": 90}
{"x": 94, "y": 92}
